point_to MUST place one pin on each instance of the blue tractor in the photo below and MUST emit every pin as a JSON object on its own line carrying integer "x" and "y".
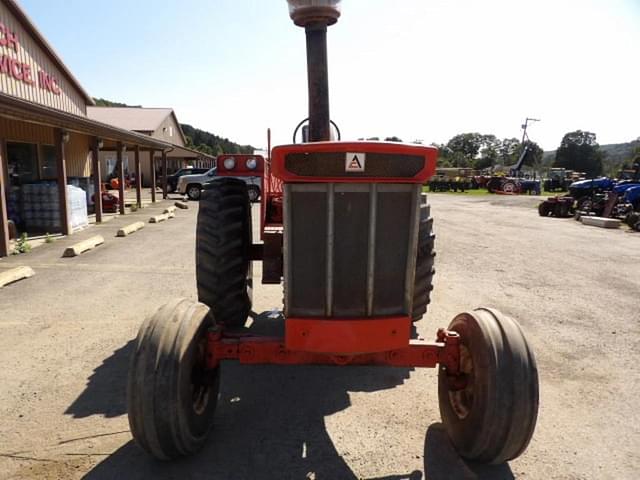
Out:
{"x": 602, "y": 197}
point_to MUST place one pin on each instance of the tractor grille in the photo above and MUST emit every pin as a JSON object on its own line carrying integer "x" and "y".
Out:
{"x": 349, "y": 249}
{"x": 331, "y": 164}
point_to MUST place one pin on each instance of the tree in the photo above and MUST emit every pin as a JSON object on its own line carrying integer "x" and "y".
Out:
{"x": 466, "y": 145}
{"x": 488, "y": 152}
{"x": 508, "y": 151}
{"x": 580, "y": 151}
{"x": 535, "y": 154}
{"x": 103, "y": 102}
{"x": 204, "y": 148}
{"x": 393, "y": 139}
{"x": 213, "y": 143}
{"x": 471, "y": 150}
{"x": 482, "y": 163}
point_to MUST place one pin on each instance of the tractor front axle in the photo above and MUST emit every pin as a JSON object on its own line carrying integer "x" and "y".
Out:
{"x": 250, "y": 349}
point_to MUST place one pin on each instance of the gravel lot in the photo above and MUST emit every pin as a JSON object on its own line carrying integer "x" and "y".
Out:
{"x": 65, "y": 339}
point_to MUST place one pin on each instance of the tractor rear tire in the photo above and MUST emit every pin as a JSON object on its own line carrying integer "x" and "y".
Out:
{"x": 561, "y": 210}
{"x": 223, "y": 240}
{"x": 510, "y": 187}
{"x": 171, "y": 396}
{"x": 423, "y": 283}
{"x": 633, "y": 220}
{"x": 491, "y": 419}
{"x": 543, "y": 209}
{"x": 494, "y": 184}
{"x": 584, "y": 204}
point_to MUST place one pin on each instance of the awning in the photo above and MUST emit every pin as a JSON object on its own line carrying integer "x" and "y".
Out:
{"x": 25, "y": 111}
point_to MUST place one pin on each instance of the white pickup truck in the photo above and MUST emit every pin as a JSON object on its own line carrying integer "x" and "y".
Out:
{"x": 192, "y": 185}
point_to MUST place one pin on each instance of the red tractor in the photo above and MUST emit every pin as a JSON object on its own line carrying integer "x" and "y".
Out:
{"x": 347, "y": 230}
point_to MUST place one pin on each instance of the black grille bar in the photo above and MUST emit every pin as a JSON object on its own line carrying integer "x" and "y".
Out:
{"x": 332, "y": 164}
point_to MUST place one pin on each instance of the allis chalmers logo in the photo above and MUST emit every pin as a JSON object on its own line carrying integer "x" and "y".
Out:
{"x": 354, "y": 162}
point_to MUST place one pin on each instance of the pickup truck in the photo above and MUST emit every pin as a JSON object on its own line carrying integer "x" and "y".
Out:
{"x": 172, "y": 180}
{"x": 191, "y": 185}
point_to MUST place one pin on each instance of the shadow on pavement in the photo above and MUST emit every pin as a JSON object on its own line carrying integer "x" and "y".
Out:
{"x": 106, "y": 390}
{"x": 269, "y": 423}
{"x": 442, "y": 462}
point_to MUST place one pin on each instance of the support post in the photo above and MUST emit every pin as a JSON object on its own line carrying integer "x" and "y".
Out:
{"x": 152, "y": 162}
{"x": 97, "y": 178}
{"x": 164, "y": 175}
{"x": 138, "y": 178}
{"x": 120, "y": 177}
{"x": 61, "y": 165}
{"x": 4, "y": 189}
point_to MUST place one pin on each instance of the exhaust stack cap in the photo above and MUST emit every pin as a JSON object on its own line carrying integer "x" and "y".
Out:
{"x": 307, "y": 12}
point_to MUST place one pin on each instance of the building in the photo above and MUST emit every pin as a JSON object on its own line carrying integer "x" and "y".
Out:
{"x": 159, "y": 123}
{"x": 48, "y": 140}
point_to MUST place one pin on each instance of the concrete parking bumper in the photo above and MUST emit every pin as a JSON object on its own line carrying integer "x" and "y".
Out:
{"x": 15, "y": 274}
{"x": 83, "y": 246}
{"x": 128, "y": 229}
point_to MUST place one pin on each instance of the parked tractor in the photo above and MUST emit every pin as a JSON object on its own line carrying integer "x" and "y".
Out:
{"x": 516, "y": 182}
{"x": 348, "y": 232}
{"x": 558, "y": 180}
{"x": 452, "y": 180}
{"x": 601, "y": 197}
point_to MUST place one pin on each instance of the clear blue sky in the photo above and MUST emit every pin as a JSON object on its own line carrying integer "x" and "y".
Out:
{"x": 418, "y": 69}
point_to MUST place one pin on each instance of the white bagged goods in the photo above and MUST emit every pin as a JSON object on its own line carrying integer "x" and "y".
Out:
{"x": 40, "y": 207}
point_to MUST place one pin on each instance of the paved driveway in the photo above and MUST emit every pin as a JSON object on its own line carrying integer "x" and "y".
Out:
{"x": 65, "y": 340}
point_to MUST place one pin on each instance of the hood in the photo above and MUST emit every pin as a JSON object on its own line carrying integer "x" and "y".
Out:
{"x": 602, "y": 182}
{"x": 621, "y": 188}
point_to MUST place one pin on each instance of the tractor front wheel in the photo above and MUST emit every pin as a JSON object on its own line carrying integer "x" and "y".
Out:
{"x": 171, "y": 396}
{"x": 490, "y": 408}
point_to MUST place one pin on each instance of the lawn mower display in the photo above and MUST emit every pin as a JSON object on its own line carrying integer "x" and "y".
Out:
{"x": 346, "y": 229}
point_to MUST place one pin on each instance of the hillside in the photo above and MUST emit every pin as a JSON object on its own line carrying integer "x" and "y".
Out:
{"x": 197, "y": 139}
{"x": 210, "y": 143}
{"x": 615, "y": 155}
{"x": 103, "y": 102}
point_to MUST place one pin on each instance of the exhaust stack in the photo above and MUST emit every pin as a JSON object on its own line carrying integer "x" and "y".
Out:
{"x": 315, "y": 16}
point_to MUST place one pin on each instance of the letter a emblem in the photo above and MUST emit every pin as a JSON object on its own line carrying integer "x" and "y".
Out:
{"x": 354, "y": 162}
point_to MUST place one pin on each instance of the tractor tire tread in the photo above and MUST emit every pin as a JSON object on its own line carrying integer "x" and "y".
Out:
{"x": 159, "y": 397}
{"x": 223, "y": 238}
{"x": 425, "y": 270}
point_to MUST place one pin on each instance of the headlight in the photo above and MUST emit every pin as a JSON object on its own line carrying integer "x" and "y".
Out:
{"x": 252, "y": 163}
{"x": 229, "y": 163}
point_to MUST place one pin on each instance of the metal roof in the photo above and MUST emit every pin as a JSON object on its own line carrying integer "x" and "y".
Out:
{"x": 130, "y": 118}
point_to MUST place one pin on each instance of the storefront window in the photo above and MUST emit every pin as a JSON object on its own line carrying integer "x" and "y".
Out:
{"x": 112, "y": 166}
{"x": 22, "y": 162}
{"x": 48, "y": 166}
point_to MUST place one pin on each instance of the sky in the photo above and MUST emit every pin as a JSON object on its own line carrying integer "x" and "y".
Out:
{"x": 417, "y": 69}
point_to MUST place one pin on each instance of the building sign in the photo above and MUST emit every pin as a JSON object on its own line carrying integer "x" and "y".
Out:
{"x": 21, "y": 71}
